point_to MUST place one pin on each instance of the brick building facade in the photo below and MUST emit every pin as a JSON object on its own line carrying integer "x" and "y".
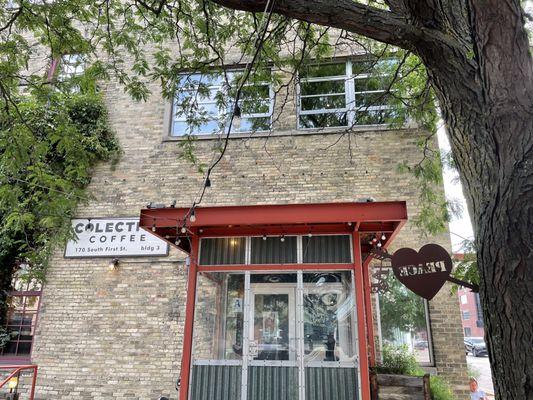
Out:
{"x": 118, "y": 334}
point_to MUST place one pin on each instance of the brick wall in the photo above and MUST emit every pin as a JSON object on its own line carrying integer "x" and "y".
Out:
{"x": 117, "y": 334}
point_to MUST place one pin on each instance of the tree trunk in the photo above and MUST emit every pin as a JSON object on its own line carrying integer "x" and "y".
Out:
{"x": 489, "y": 116}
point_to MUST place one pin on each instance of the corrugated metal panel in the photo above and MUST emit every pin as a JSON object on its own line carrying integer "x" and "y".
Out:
{"x": 272, "y": 383}
{"x": 271, "y": 250}
{"x": 216, "y": 382}
{"x": 222, "y": 251}
{"x": 327, "y": 249}
{"x": 330, "y": 383}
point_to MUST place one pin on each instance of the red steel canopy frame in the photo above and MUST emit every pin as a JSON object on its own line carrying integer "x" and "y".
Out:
{"x": 361, "y": 220}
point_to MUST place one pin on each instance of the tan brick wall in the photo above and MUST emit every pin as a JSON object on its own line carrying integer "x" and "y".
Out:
{"x": 118, "y": 335}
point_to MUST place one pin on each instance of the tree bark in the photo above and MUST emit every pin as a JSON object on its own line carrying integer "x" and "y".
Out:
{"x": 491, "y": 132}
{"x": 478, "y": 58}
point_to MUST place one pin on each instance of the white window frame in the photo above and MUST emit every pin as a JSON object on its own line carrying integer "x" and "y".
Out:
{"x": 221, "y": 112}
{"x": 351, "y": 109}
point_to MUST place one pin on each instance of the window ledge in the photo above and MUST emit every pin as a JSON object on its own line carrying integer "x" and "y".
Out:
{"x": 293, "y": 132}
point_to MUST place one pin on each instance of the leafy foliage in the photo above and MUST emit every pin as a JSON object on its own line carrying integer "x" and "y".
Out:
{"x": 398, "y": 360}
{"x": 48, "y": 146}
{"x": 466, "y": 266}
{"x": 400, "y": 309}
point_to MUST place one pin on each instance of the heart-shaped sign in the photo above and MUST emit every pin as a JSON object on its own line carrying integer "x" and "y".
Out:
{"x": 423, "y": 272}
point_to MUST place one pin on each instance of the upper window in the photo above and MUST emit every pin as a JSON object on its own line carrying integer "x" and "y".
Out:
{"x": 203, "y": 104}
{"x": 343, "y": 95}
{"x": 72, "y": 65}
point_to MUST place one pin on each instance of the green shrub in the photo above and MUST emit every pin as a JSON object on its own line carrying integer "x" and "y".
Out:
{"x": 398, "y": 360}
{"x": 440, "y": 389}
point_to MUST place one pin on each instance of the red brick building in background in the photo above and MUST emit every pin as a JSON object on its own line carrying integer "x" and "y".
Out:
{"x": 471, "y": 312}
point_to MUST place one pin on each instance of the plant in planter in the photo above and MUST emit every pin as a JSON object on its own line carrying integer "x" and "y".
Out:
{"x": 398, "y": 360}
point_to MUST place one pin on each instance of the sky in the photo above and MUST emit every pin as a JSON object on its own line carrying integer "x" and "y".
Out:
{"x": 460, "y": 227}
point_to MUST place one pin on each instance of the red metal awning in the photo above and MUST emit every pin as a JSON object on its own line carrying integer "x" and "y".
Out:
{"x": 175, "y": 224}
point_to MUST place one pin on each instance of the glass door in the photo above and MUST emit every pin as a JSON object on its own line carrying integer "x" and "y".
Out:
{"x": 275, "y": 336}
{"x": 272, "y": 371}
{"x": 272, "y": 327}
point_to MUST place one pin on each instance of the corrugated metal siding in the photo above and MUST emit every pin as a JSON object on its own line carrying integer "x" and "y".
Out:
{"x": 330, "y": 383}
{"x": 216, "y": 382}
{"x": 271, "y": 250}
{"x": 272, "y": 383}
{"x": 327, "y": 249}
{"x": 222, "y": 251}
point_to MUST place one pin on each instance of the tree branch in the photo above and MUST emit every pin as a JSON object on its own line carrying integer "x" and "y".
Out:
{"x": 384, "y": 26}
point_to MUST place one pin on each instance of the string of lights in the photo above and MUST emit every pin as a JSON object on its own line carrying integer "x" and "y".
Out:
{"x": 236, "y": 111}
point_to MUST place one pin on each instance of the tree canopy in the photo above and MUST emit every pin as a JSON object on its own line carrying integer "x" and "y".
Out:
{"x": 474, "y": 57}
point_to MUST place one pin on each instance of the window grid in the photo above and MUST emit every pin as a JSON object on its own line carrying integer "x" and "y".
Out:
{"x": 221, "y": 113}
{"x": 351, "y": 105}
{"x": 20, "y": 309}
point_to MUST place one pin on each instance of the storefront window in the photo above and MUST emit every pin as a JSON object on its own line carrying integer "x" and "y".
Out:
{"x": 403, "y": 320}
{"x": 329, "y": 312}
{"x": 218, "y": 320}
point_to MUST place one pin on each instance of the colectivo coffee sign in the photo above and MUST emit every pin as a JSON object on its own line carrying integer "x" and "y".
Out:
{"x": 113, "y": 237}
{"x": 424, "y": 272}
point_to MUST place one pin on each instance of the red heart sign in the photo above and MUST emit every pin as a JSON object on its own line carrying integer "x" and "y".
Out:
{"x": 423, "y": 272}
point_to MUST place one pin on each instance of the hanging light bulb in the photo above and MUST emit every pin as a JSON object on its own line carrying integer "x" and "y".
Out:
{"x": 309, "y": 234}
{"x": 379, "y": 244}
{"x": 282, "y": 238}
{"x": 383, "y": 237}
{"x": 178, "y": 241}
{"x": 183, "y": 229}
{"x": 192, "y": 217}
{"x": 374, "y": 240}
{"x": 264, "y": 237}
{"x": 153, "y": 228}
{"x": 237, "y": 117}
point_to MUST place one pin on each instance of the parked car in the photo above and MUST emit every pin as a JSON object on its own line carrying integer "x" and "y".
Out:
{"x": 476, "y": 346}
{"x": 421, "y": 344}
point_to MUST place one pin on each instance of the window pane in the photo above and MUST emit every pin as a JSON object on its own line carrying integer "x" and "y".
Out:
{"x": 324, "y": 102}
{"x": 271, "y": 250}
{"x": 222, "y": 251}
{"x": 253, "y": 124}
{"x": 374, "y": 117}
{"x": 255, "y": 107}
{"x": 323, "y": 120}
{"x": 372, "y": 83}
{"x": 328, "y": 317}
{"x": 325, "y": 87}
{"x": 319, "y": 70}
{"x": 327, "y": 249}
{"x": 370, "y": 99}
{"x": 218, "y": 317}
{"x": 403, "y": 319}
{"x": 208, "y": 97}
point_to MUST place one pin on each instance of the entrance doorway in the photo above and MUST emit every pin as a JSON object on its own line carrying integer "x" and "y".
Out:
{"x": 282, "y": 336}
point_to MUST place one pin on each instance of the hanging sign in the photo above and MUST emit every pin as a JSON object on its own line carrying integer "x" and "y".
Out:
{"x": 113, "y": 237}
{"x": 423, "y": 272}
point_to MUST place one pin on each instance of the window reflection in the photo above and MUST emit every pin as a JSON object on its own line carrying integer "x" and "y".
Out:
{"x": 403, "y": 319}
{"x": 328, "y": 317}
